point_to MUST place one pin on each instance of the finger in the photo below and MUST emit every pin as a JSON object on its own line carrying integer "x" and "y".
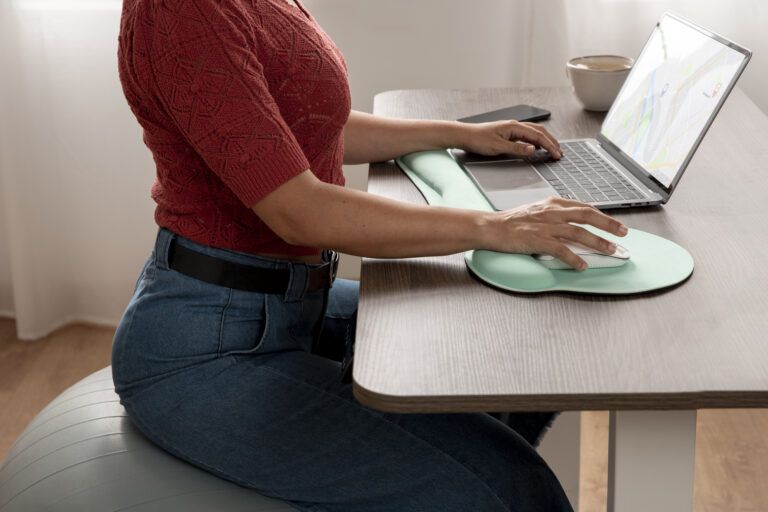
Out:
{"x": 519, "y": 148}
{"x": 528, "y": 134}
{"x": 539, "y": 128}
{"x": 571, "y": 233}
{"x": 571, "y": 203}
{"x": 562, "y": 203}
{"x": 585, "y": 214}
{"x": 560, "y": 251}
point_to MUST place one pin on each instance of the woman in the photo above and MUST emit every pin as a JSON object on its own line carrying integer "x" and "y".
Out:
{"x": 228, "y": 353}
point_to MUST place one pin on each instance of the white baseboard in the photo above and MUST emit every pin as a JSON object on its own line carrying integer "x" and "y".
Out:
{"x": 86, "y": 319}
{"x": 97, "y": 321}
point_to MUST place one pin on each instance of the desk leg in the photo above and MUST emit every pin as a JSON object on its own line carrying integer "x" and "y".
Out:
{"x": 561, "y": 449}
{"x": 651, "y": 461}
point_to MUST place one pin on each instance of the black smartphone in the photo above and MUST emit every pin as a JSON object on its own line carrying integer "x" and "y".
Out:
{"x": 516, "y": 113}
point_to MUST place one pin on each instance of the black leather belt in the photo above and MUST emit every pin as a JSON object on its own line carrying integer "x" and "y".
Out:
{"x": 244, "y": 277}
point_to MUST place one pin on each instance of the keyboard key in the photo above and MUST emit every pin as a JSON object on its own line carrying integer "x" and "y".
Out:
{"x": 585, "y": 175}
{"x": 545, "y": 172}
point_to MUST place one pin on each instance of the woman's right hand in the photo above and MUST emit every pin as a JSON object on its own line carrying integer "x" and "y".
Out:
{"x": 546, "y": 226}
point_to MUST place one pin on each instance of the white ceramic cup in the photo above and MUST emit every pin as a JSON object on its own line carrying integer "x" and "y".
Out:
{"x": 597, "y": 79}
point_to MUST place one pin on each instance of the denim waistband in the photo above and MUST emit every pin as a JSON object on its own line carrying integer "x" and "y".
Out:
{"x": 299, "y": 271}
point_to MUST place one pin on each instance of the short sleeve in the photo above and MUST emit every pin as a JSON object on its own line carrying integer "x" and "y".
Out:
{"x": 207, "y": 77}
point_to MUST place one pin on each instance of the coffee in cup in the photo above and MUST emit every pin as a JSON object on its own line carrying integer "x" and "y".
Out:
{"x": 597, "y": 79}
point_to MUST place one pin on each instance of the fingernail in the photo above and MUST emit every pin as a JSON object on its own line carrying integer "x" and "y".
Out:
{"x": 623, "y": 230}
{"x": 583, "y": 265}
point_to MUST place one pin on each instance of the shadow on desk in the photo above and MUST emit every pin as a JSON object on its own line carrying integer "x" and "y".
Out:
{"x": 414, "y": 276}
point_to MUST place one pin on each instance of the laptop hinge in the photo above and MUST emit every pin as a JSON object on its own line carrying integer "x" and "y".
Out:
{"x": 638, "y": 172}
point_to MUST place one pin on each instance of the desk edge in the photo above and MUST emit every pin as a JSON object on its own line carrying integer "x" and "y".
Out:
{"x": 592, "y": 402}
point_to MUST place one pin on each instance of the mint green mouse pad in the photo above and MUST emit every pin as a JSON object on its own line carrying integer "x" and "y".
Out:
{"x": 655, "y": 262}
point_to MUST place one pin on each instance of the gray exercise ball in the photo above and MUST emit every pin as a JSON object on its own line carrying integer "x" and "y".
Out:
{"x": 81, "y": 453}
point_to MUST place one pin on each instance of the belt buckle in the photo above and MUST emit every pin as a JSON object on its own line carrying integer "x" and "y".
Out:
{"x": 333, "y": 267}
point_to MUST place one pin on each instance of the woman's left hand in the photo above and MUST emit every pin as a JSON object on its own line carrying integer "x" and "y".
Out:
{"x": 508, "y": 137}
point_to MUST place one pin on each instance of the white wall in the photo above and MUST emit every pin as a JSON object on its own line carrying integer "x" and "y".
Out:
{"x": 400, "y": 44}
{"x": 626, "y": 24}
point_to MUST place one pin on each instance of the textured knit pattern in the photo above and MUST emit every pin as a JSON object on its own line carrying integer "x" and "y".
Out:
{"x": 236, "y": 97}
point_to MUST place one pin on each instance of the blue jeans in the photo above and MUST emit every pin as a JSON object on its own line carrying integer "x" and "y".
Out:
{"x": 227, "y": 380}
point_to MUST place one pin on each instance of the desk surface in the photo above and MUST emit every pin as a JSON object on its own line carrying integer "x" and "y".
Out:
{"x": 431, "y": 338}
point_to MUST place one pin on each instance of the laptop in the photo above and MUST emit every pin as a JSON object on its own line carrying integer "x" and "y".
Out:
{"x": 665, "y": 107}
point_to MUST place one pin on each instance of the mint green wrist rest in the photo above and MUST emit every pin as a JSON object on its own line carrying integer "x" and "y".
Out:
{"x": 655, "y": 262}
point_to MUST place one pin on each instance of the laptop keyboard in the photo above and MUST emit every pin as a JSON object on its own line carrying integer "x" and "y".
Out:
{"x": 585, "y": 175}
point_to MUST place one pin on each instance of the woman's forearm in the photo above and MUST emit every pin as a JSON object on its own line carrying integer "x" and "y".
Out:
{"x": 369, "y": 138}
{"x": 305, "y": 211}
{"x": 308, "y": 212}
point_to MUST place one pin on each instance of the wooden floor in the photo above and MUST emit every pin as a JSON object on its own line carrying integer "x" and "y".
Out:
{"x": 32, "y": 373}
{"x": 731, "y": 451}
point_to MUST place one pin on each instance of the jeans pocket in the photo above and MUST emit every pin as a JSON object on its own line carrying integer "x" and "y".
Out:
{"x": 244, "y": 323}
{"x": 146, "y": 271}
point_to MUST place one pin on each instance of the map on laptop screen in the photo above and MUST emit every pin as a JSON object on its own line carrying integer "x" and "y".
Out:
{"x": 675, "y": 86}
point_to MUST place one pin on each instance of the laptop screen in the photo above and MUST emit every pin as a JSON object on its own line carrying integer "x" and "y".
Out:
{"x": 670, "y": 97}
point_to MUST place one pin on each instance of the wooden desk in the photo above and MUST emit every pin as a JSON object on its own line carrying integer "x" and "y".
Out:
{"x": 431, "y": 338}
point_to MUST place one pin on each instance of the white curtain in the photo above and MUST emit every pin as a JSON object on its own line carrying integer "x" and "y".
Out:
{"x": 78, "y": 219}
{"x": 75, "y": 214}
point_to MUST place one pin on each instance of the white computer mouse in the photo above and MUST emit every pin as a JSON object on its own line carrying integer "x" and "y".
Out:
{"x": 593, "y": 258}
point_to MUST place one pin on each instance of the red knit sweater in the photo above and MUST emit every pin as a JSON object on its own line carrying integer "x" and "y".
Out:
{"x": 236, "y": 97}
